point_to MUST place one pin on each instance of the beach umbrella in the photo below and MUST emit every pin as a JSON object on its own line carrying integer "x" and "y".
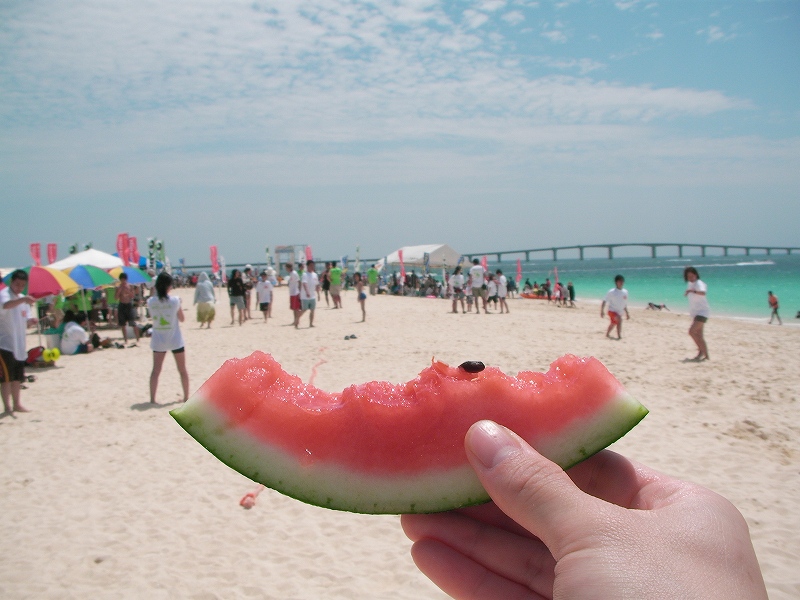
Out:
{"x": 44, "y": 281}
{"x": 134, "y": 275}
{"x": 90, "y": 277}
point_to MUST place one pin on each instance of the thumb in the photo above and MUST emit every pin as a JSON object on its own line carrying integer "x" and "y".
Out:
{"x": 532, "y": 490}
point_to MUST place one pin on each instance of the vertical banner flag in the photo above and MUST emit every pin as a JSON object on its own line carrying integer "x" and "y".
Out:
{"x": 269, "y": 257}
{"x": 485, "y": 263}
{"x": 52, "y": 253}
{"x": 309, "y": 254}
{"x": 426, "y": 262}
{"x": 133, "y": 251}
{"x": 222, "y": 268}
{"x": 214, "y": 259}
{"x": 36, "y": 254}
{"x": 402, "y": 266}
{"x": 519, "y": 270}
{"x": 122, "y": 247}
{"x": 460, "y": 260}
{"x": 357, "y": 266}
{"x": 344, "y": 263}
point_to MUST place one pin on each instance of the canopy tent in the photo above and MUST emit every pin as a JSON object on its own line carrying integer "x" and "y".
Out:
{"x": 414, "y": 256}
{"x": 95, "y": 258}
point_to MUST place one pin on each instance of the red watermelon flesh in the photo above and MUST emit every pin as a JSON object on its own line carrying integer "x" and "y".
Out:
{"x": 380, "y": 447}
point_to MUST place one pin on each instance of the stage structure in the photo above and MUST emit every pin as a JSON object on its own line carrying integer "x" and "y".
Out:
{"x": 292, "y": 253}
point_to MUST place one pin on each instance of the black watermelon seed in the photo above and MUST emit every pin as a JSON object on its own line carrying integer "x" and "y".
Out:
{"x": 472, "y": 366}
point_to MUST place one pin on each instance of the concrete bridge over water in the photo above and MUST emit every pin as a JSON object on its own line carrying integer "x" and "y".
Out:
{"x": 725, "y": 250}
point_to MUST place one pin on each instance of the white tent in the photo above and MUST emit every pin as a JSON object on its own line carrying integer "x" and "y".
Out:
{"x": 414, "y": 256}
{"x": 95, "y": 258}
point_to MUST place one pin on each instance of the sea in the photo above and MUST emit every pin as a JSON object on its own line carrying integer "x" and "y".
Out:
{"x": 737, "y": 285}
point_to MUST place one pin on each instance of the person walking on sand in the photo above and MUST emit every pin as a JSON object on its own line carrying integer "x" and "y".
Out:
{"x": 773, "y": 304}
{"x": 293, "y": 281}
{"x": 698, "y": 310}
{"x": 617, "y": 300}
{"x": 166, "y": 336}
{"x": 236, "y": 294}
{"x": 362, "y": 297}
{"x": 502, "y": 291}
{"x": 372, "y": 279}
{"x": 13, "y": 352}
{"x": 205, "y": 298}
{"x": 335, "y": 276}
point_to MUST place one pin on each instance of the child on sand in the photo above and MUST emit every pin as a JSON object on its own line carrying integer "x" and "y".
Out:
{"x": 362, "y": 297}
{"x": 698, "y": 310}
{"x": 773, "y": 304}
{"x": 617, "y": 300}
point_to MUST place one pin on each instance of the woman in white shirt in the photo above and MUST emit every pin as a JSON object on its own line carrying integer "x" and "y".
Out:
{"x": 698, "y": 310}
{"x": 166, "y": 336}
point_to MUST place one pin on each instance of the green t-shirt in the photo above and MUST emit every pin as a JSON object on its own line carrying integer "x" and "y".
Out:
{"x": 335, "y": 276}
{"x": 372, "y": 275}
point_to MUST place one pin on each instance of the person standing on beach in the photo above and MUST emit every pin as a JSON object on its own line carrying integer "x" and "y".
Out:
{"x": 571, "y": 293}
{"x": 335, "y": 276}
{"x": 264, "y": 293}
{"x": 617, "y": 300}
{"x": 502, "y": 291}
{"x": 773, "y": 304}
{"x": 325, "y": 282}
{"x": 236, "y": 294}
{"x": 372, "y": 279}
{"x": 167, "y": 315}
{"x": 309, "y": 282}
{"x": 476, "y": 275}
{"x": 698, "y": 310}
{"x": 457, "y": 287}
{"x": 13, "y": 352}
{"x": 126, "y": 315}
{"x": 293, "y": 281}
{"x": 249, "y": 284}
{"x": 362, "y": 297}
{"x": 205, "y": 298}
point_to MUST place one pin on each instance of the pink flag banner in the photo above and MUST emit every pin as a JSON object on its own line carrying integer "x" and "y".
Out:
{"x": 122, "y": 247}
{"x": 309, "y": 254}
{"x": 402, "y": 266}
{"x": 36, "y": 254}
{"x": 52, "y": 253}
{"x": 485, "y": 263}
{"x": 133, "y": 251}
{"x": 519, "y": 270}
{"x": 214, "y": 259}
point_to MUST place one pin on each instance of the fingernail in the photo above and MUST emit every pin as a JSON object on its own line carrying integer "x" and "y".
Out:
{"x": 490, "y": 443}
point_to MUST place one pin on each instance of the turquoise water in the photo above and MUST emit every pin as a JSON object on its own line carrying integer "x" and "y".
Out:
{"x": 737, "y": 285}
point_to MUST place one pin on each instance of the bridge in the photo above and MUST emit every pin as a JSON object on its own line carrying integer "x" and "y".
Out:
{"x": 654, "y": 247}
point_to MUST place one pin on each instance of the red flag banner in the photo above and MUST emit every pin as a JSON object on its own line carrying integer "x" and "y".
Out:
{"x": 402, "y": 266}
{"x": 122, "y": 247}
{"x": 214, "y": 259}
{"x": 133, "y": 251}
{"x": 485, "y": 264}
{"x": 36, "y": 254}
{"x": 309, "y": 254}
{"x": 519, "y": 270}
{"x": 52, "y": 253}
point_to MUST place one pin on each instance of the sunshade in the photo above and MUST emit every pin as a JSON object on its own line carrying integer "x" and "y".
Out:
{"x": 134, "y": 275}
{"x": 90, "y": 277}
{"x": 92, "y": 256}
{"x": 44, "y": 281}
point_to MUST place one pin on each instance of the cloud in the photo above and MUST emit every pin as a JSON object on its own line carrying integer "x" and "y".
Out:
{"x": 513, "y": 17}
{"x": 654, "y": 35}
{"x": 555, "y": 35}
{"x": 715, "y": 33}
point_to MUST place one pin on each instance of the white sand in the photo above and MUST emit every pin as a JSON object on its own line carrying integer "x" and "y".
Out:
{"x": 103, "y": 496}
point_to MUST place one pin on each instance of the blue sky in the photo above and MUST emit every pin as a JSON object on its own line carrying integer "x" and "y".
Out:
{"x": 487, "y": 125}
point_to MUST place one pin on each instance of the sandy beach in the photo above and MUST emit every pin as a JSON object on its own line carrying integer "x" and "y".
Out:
{"x": 105, "y": 496}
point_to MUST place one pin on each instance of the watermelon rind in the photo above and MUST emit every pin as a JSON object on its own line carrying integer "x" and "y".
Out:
{"x": 334, "y": 486}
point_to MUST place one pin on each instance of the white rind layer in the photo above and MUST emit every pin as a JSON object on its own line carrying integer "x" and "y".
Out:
{"x": 340, "y": 487}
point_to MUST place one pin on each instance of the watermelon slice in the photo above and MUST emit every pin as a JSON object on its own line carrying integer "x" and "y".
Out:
{"x": 380, "y": 447}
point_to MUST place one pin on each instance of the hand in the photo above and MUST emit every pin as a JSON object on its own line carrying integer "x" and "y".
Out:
{"x": 608, "y": 528}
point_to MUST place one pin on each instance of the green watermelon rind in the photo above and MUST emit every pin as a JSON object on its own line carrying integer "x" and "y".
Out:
{"x": 339, "y": 487}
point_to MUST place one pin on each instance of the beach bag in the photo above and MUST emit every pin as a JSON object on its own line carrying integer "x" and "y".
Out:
{"x": 35, "y": 355}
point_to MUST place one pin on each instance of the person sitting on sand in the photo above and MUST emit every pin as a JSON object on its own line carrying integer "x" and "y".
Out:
{"x": 75, "y": 339}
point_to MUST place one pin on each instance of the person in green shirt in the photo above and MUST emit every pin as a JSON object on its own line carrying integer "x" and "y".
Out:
{"x": 372, "y": 279}
{"x": 335, "y": 276}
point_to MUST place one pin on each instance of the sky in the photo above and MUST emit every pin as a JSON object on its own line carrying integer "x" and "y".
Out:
{"x": 488, "y": 125}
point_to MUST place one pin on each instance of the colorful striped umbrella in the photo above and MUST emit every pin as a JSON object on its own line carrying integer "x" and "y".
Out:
{"x": 134, "y": 275}
{"x": 90, "y": 277}
{"x": 44, "y": 281}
